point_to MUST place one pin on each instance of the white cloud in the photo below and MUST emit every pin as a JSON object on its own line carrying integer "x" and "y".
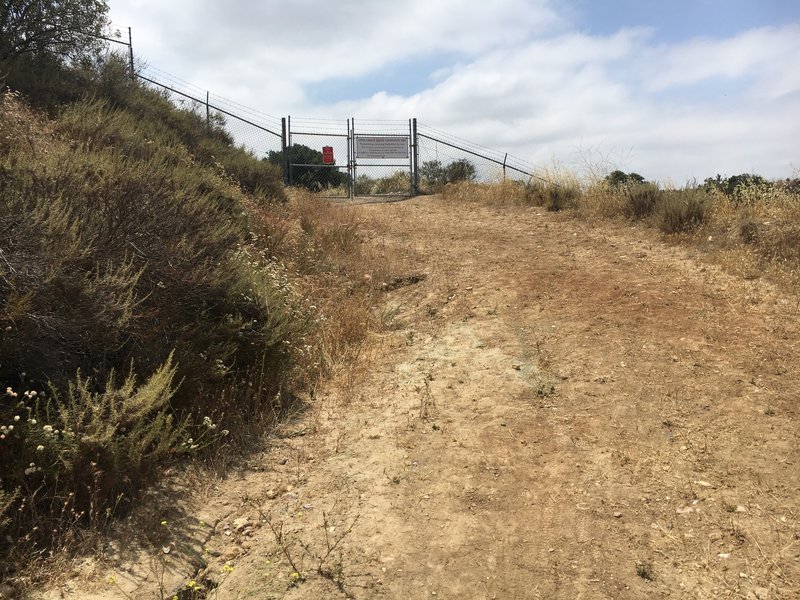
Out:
{"x": 750, "y": 54}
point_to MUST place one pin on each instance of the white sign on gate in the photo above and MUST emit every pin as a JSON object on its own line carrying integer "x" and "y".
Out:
{"x": 377, "y": 146}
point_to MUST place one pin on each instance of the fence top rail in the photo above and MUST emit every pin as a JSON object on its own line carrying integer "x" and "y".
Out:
{"x": 479, "y": 155}
{"x": 471, "y": 146}
{"x": 204, "y": 103}
{"x": 319, "y": 133}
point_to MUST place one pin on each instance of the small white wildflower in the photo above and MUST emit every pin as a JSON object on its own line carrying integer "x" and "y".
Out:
{"x": 16, "y": 417}
{"x": 39, "y": 448}
{"x": 33, "y": 421}
{"x": 48, "y": 428}
{"x": 10, "y": 428}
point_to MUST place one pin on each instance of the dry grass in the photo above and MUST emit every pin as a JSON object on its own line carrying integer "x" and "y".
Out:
{"x": 340, "y": 276}
{"x": 754, "y": 234}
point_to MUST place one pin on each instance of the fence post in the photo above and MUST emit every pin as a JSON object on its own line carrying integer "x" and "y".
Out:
{"x": 352, "y": 122}
{"x": 414, "y": 158}
{"x": 505, "y": 158}
{"x": 208, "y": 113}
{"x": 351, "y": 182}
{"x": 130, "y": 54}
{"x": 284, "y": 152}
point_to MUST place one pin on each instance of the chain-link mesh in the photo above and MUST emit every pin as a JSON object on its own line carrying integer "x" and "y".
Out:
{"x": 318, "y": 156}
{"x": 258, "y": 132}
{"x": 377, "y": 176}
{"x": 444, "y": 158}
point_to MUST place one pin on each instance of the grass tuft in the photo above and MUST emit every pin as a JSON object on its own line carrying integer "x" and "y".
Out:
{"x": 678, "y": 211}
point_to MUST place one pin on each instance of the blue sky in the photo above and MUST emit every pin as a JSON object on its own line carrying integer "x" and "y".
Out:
{"x": 678, "y": 20}
{"x": 674, "y": 90}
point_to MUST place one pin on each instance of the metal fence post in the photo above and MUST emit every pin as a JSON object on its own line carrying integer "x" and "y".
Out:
{"x": 288, "y": 146}
{"x": 414, "y": 158}
{"x": 284, "y": 158}
{"x": 208, "y": 112}
{"x": 130, "y": 54}
{"x": 351, "y": 181}
{"x": 353, "y": 144}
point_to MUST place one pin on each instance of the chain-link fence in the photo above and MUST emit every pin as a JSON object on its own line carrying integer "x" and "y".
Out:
{"x": 258, "y": 132}
{"x": 444, "y": 158}
{"x": 346, "y": 157}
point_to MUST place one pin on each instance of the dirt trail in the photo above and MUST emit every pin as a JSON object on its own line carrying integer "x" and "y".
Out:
{"x": 559, "y": 411}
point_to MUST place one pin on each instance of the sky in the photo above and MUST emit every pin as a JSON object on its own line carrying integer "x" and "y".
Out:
{"x": 674, "y": 90}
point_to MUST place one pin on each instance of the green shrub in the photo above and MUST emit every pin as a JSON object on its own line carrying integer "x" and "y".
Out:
{"x": 89, "y": 450}
{"x": 460, "y": 170}
{"x": 433, "y": 176}
{"x": 682, "y": 210}
{"x": 364, "y": 185}
{"x": 641, "y": 200}
{"x": 749, "y": 227}
{"x": 398, "y": 182}
{"x": 535, "y": 192}
{"x": 561, "y": 196}
{"x": 121, "y": 249}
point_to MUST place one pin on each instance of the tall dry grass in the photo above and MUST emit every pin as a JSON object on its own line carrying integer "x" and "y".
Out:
{"x": 753, "y": 231}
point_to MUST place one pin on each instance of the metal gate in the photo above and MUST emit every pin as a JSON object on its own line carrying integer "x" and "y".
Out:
{"x": 383, "y": 158}
{"x": 317, "y": 156}
{"x": 338, "y": 160}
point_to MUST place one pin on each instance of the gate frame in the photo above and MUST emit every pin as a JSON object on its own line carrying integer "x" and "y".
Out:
{"x": 410, "y": 166}
{"x": 287, "y": 165}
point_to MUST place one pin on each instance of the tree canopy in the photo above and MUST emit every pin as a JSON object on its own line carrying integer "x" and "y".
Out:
{"x": 621, "y": 179}
{"x": 67, "y": 29}
{"x": 312, "y": 177}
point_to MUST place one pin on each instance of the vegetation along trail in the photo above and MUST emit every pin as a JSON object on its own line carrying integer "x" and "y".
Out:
{"x": 555, "y": 410}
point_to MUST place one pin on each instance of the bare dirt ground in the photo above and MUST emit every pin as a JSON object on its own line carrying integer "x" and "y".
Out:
{"x": 558, "y": 410}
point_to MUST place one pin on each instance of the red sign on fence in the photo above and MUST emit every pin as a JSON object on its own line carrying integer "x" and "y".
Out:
{"x": 327, "y": 155}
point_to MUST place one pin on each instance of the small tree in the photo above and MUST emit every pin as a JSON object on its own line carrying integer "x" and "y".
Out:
{"x": 460, "y": 170}
{"x": 305, "y": 171}
{"x": 732, "y": 186}
{"x": 66, "y": 29}
{"x": 433, "y": 174}
{"x": 621, "y": 179}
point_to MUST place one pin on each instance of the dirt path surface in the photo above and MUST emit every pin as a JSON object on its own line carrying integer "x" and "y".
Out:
{"x": 557, "y": 411}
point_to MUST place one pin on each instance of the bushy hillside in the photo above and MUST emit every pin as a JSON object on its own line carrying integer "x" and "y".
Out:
{"x": 146, "y": 307}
